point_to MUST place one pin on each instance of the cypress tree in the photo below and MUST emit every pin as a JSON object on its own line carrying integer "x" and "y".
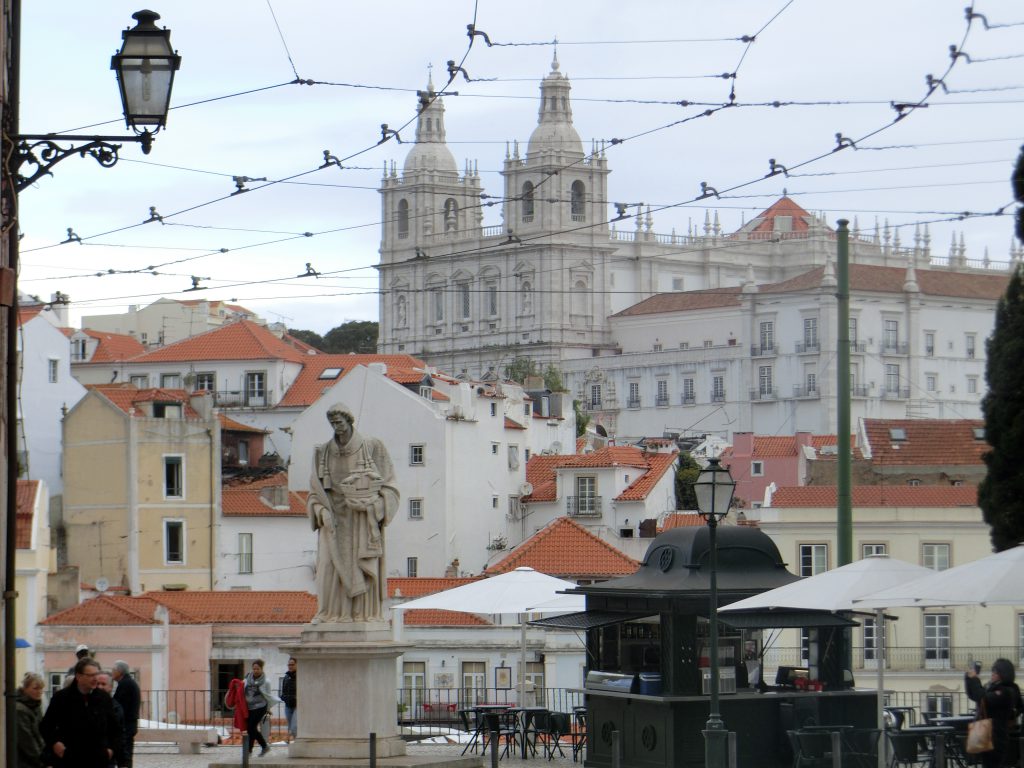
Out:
{"x": 1001, "y": 493}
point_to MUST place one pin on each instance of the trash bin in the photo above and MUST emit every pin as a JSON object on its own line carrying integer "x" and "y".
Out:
{"x": 650, "y": 684}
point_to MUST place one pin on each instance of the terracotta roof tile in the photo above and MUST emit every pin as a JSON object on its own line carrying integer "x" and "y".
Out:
{"x": 113, "y": 347}
{"x": 423, "y": 617}
{"x": 255, "y": 607}
{"x": 785, "y": 206}
{"x": 299, "y": 344}
{"x": 26, "y": 496}
{"x": 128, "y": 396}
{"x": 251, "y": 500}
{"x": 418, "y": 586}
{"x": 308, "y": 386}
{"x": 510, "y": 424}
{"x": 929, "y": 442}
{"x": 230, "y": 425}
{"x": 541, "y": 471}
{"x": 105, "y": 610}
{"x": 26, "y": 313}
{"x": 241, "y": 340}
{"x": 658, "y": 465}
{"x": 564, "y": 548}
{"x": 879, "y": 496}
{"x": 681, "y": 520}
{"x": 685, "y": 301}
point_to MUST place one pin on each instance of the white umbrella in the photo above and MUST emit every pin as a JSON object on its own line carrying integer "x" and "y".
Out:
{"x": 993, "y": 580}
{"x": 838, "y": 590}
{"x": 520, "y": 591}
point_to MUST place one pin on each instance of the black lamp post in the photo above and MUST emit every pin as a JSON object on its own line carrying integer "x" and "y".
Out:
{"x": 713, "y": 489}
{"x": 145, "y": 68}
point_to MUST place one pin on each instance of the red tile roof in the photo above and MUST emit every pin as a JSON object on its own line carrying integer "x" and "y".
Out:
{"x": 113, "y": 347}
{"x": 128, "y": 396}
{"x": 418, "y": 586}
{"x": 251, "y": 500}
{"x": 510, "y": 424}
{"x": 26, "y": 496}
{"x": 299, "y": 344}
{"x": 256, "y": 607}
{"x": 785, "y": 206}
{"x": 422, "y": 617}
{"x": 105, "y": 611}
{"x": 26, "y": 313}
{"x": 242, "y": 340}
{"x": 929, "y": 442}
{"x": 230, "y": 425}
{"x": 308, "y": 386}
{"x": 681, "y": 520}
{"x": 685, "y": 301}
{"x": 564, "y": 548}
{"x": 541, "y": 471}
{"x": 879, "y": 496}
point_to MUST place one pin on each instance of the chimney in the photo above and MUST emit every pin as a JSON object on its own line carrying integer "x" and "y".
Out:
{"x": 202, "y": 403}
{"x": 59, "y": 307}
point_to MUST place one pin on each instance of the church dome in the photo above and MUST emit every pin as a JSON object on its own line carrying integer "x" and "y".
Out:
{"x": 431, "y": 153}
{"x": 554, "y": 131}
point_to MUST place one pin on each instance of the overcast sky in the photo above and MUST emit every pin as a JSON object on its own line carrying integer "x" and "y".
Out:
{"x": 954, "y": 155}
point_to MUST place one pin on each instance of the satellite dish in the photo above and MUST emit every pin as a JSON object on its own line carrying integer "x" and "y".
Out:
{"x": 556, "y": 447}
{"x": 526, "y": 489}
{"x": 102, "y": 585}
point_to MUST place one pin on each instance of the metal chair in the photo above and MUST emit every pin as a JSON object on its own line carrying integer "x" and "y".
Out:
{"x": 500, "y": 726}
{"x": 815, "y": 749}
{"x": 470, "y": 726}
{"x": 550, "y": 728}
{"x": 579, "y": 741}
{"x": 907, "y": 751}
{"x": 860, "y": 747}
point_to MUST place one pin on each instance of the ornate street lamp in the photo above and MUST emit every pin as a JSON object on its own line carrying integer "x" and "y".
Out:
{"x": 145, "y": 68}
{"x": 713, "y": 489}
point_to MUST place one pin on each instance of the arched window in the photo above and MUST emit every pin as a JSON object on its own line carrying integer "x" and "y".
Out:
{"x": 403, "y": 218}
{"x": 451, "y": 215}
{"x": 528, "y": 201}
{"x": 576, "y": 201}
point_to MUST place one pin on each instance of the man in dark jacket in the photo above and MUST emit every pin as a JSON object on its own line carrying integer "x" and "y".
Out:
{"x": 127, "y": 695}
{"x": 79, "y": 726}
{"x": 105, "y": 683}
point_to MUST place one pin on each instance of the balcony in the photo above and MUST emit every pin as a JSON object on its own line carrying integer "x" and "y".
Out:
{"x": 894, "y": 348}
{"x": 718, "y": 397}
{"x": 633, "y": 402}
{"x": 762, "y": 350}
{"x": 765, "y": 394}
{"x": 901, "y": 393}
{"x": 687, "y": 400}
{"x": 858, "y": 346}
{"x": 807, "y": 392}
{"x": 858, "y": 391}
{"x": 661, "y": 401}
{"x": 592, "y": 405}
{"x": 807, "y": 347}
{"x": 237, "y": 398}
{"x": 583, "y": 506}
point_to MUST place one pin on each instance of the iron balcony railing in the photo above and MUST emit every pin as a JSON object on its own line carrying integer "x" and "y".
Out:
{"x": 687, "y": 400}
{"x": 895, "y": 348}
{"x": 662, "y": 400}
{"x": 583, "y": 506}
{"x": 633, "y": 402}
{"x": 858, "y": 391}
{"x": 764, "y": 394}
{"x": 803, "y": 347}
{"x": 900, "y": 393}
{"x": 718, "y": 397}
{"x": 810, "y": 392}
{"x": 762, "y": 350}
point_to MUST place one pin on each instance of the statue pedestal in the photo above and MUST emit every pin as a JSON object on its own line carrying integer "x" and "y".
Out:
{"x": 347, "y": 690}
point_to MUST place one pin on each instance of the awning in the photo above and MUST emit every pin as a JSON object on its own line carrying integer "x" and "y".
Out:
{"x": 587, "y": 619}
{"x": 784, "y": 620}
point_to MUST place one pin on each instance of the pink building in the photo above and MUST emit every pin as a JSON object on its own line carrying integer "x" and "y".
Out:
{"x": 756, "y": 461}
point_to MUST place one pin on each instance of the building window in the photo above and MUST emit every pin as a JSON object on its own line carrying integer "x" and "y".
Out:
{"x": 526, "y": 298}
{"x": 871, "y": 640}
{"x": 813, "y": 559}
{"x": 935, "y": 556}
{"x": 577, "y": 194}
{"x": 913, "y": 482}
{"x": 930, "y": 382}
{"x": 811, "y": 382}
{"x": 78, "y": 349}
{"x": 492, "y": 299}
{"x": 464, "y": 300}
{"x": 972, "y": 385}
{"x": 853, "y": 330}
{"x": 256, "y": 388}
{"x": 757, "y": 468}
{"x": 586, "y": 495}
{"x": 451, "y": 215}
{"x": 206, "y": 382}
{"x": 867, "y": 550}
{"x": 689, "y": 393}
{"x": 970, "y": 340}
{"x": 167, "y": 410}
{"x": 174, "y": 542}
{"x": 764, "y": 380}
{"x": 595, "y": 395}
{"x": 403, "y": 219}
{"x": 245, "y": 553}
{"x": 767, "y": 335}
{"x": 494, "y": 409}
{"x": 634, "y": 395}
{"x": 513, "y": 457}
{"x": 174, "y": 479}
{"x": 437, "y": 298}
{"x": 474, "y": 681}
{"x": 936, "y": 640}
{"x": 140, "y": 382}
{"x": 810, "y": 332}
{"x": 929, "y": 344}
{"x": 53, "y": 370}
{"x": 415, "y": 509}
{"x": 891, "y": 334}
{"x": 411, "y": 566}
{"x": 528, "y": 201}
{"x": 892, "y": 378}
{"x": 243, "y": 452}
{"x": 494, "y": 449}
{"x": 718, "y": 388}
{"x": 416, "y": 453}
{"x": 170, "y": 380}
{"x": 661, "y": 396}
{"x": 414, "y": 684}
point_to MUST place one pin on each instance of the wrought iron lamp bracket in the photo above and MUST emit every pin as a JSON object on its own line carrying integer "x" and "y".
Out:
{"x": 38, "y": 153}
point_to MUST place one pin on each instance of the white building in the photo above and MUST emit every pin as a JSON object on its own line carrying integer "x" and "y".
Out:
{"x": 46, "y": 391}
{"x": 166, "y": 321}
{"x": 460, "y": 452}
{"x": 762, "y": 358}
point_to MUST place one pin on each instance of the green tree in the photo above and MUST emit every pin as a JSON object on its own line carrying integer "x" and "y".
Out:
{"x": 354, "y": 336}
{"x": 312, "y": 338}
{"x": 686, "y": 475}
{"x": 553, "y": 379}
{"x": 519, "y": 369}
{"x": 1001, "y": 493}
{"x": 582, "y": 419}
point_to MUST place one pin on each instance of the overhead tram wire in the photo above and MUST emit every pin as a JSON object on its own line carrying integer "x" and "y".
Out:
{"x": 284, "y": 43}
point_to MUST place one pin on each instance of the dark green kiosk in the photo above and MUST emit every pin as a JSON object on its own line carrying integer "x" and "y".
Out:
{"x": 648, "y": 668}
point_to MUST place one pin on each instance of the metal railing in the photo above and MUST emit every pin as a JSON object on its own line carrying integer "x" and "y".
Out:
{"x": 894, "y": 348}
{"x": 633, "y": 402}
{"x": 583, "y": 506}
{"x": 765, "y": 393}
{"x": 799, "y": 391}
{"x": 901, "y": 393}
{"x": 762, "y": 350}
{"x": 807, "y": 346}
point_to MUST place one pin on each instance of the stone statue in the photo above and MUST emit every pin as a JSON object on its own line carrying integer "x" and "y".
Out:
{"x": 351, "y": 500}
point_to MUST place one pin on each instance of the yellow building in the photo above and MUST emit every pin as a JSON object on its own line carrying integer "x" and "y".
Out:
{"x": 936, "y": 526}
{"x": 33, "y": 562}
{"x": 141, "y": 487}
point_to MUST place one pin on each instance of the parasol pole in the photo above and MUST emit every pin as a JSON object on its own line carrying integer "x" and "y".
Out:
{"x": 522, "y": 659}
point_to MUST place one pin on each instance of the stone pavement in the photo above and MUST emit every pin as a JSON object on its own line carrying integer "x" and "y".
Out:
{"x": 155, "y": 756}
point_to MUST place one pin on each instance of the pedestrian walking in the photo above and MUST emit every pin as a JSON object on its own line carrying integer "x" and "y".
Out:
{"x": 127, "y": 694}
{"x": 1000, "y": 700}
{"x": 260, "y": 700}
{"x": 79, "y": 728}
{"x": 289, "y": 693}
{"x": 30, "y": 713}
